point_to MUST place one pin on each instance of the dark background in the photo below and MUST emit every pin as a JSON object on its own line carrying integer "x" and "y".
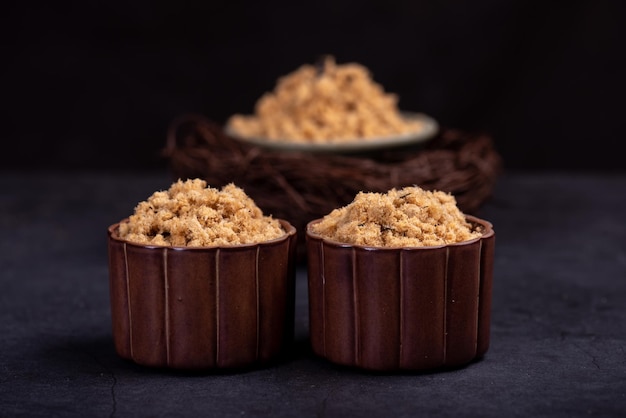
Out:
{"x": 95, "y": 84}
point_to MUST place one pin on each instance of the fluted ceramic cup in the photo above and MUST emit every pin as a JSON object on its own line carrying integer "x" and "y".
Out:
{"x": 202, "y": 307}
{"x": 393, "y": 309}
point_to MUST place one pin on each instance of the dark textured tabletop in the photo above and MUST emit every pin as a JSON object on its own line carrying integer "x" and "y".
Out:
{"x": 558, "y": 337}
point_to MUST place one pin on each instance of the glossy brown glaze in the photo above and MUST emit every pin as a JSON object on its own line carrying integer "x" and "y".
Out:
{"x": 200, "y": 308}
{"x": 390, "y": 309}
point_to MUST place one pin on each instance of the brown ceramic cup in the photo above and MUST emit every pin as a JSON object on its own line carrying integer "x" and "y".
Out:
{"x": 202, "y": 307}
{"x": 394, "y": 309}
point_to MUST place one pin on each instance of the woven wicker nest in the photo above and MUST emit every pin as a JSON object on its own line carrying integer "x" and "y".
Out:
{"x": 300, "y": 186}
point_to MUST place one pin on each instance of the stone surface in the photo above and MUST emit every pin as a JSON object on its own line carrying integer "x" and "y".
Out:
{"x": 558, "y": 335}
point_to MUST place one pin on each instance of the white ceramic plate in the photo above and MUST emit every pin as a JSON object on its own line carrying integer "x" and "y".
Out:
{"x": 429, "y": 129}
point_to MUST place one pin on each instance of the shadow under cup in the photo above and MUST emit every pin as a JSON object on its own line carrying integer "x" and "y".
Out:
{"x": 413, "y": 308}
{"x": 202, "y": 307}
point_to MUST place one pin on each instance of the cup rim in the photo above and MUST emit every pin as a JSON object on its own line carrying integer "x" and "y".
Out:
{"x": 486, "y": 225}
{"x": 289, "y": 229}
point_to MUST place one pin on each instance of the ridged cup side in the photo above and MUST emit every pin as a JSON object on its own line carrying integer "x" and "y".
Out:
{"x": 193, "y": 308}
{"x": 402, "y": 308}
